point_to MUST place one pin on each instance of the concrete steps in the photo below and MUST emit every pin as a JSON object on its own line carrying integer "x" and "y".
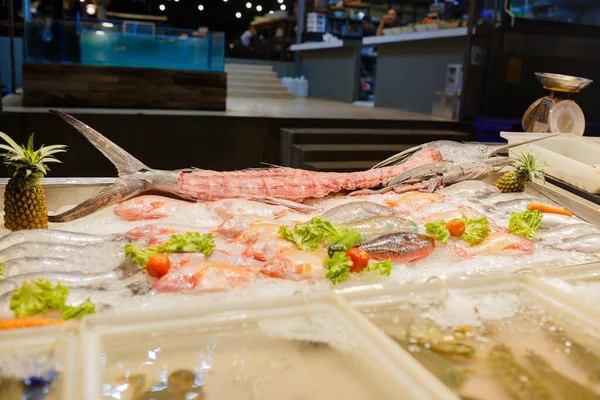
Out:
{"x": 249, "y": 80}
{"x": 345, "y": 150}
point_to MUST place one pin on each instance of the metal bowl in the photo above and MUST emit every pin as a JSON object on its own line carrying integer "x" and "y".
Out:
{"x": 562, "y": 81}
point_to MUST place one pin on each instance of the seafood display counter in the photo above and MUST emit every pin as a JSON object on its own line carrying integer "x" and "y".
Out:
{"x": 444, "y": 272}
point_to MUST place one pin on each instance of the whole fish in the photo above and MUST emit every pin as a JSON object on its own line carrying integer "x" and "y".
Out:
{"x": 31, "y": 265}
{"x": 550, "y": 221}
{"x": 455, "y": 151}
{"x": 502, "y": 197}
{"x": 439, "y": 366}
{"x": 399, "y": 247}
{"x": 376, "y": 226}
{"x": 469, "y": 190}
{"x": 510, "y": 206}
{"x": 104, "y": 252}
{"x": 562, "y": 385}
{"x": 516, "y": 379}
{"x": 568, "y": 232}
{"x": 356, "y": 211}
{"x": 55, "y": 236}
{"x": 194, "y": 184}
{"x": 584, "y": 244}
{"x": 105, "y": 280}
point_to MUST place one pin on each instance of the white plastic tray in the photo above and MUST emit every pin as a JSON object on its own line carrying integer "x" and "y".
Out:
{"x": 58, "y": 342}
{"x": 582, "y": 322}
{"x": 570, "y": 158}
{"x": 106, "y": 339}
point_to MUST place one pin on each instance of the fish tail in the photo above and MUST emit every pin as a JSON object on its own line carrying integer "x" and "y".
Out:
{"x": 122, "y": 160}
{"x": 134, "y": 176}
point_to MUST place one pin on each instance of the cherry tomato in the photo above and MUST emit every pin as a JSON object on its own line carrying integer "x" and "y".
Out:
{"x": 158, "y": 265}
{"x": 360, "y": 259}
{"x": 456, "y": 227}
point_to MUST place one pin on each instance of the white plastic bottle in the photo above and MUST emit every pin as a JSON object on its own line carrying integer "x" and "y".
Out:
{"x": 302, "y": 89}
{"x": 293, "y": 88}
{"x": 285, "y": 81}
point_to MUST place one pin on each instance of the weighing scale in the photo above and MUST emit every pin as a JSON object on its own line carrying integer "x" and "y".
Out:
{"x": 557, "y": 113}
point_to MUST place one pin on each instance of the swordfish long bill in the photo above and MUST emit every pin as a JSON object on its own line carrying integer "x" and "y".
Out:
{"x": 282, "y": 183}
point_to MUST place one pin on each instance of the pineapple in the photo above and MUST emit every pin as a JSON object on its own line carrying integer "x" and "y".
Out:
{"x": 526, "y": 169}
{"x": 24, "y": 198}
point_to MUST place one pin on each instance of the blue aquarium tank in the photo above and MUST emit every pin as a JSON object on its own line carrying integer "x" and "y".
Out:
{"x": 124, "y": 44}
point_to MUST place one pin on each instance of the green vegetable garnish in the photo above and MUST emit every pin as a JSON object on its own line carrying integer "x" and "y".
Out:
{"x": 312, "y": 235}
{"x": 339, "y": 267}
{"x": 382, "y": 267}
{"x": 85, "y": 308}
{"x": 526, "y": 223}
{"x": 438, "y": 230}
{"x": 476, "y": 229}
{"x": 344, "y": 243}
{"x": 1, "y": 269}
{"x": 190, "y": 242}
{"x": 36, "y": 297}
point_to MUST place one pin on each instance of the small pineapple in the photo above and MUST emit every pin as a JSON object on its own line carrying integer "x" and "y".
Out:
{"x": 526, "y": 169}
{"x": 24, "y": 198}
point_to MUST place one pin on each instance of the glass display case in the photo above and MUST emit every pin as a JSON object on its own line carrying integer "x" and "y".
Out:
{"x": 586, "y": 12}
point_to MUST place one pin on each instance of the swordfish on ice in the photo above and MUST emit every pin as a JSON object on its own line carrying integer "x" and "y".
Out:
{"x": 284, "y": 185}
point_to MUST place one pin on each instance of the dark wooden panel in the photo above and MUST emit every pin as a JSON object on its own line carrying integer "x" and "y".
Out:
{"x": 57, "y": 85}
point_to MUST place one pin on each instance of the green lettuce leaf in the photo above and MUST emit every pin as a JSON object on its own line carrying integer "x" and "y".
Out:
{"x": 382, "y": 267}
{"x": 1, "y": 269}
{"x": 85, "y": 308}
{"x": 190, "y": 242}
{"x": 525, "y": 224}
{"x": 438, "y": 230}
{"x": 311, "y": 235}
{"x": 338, "y": 267}
{"x": 36, "y": 297}
{"x": 476, "y": 229}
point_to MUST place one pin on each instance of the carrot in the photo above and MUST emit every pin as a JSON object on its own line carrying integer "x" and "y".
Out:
{"x": 548, "y": 209}
{"x": 29, "y": 322}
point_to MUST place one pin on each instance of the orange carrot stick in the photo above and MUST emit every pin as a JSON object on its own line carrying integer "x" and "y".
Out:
{"x": 548, "y": 209}
{"x": 29, "y": 322}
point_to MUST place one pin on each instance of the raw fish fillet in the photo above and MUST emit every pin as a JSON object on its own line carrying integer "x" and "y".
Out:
{"x": 497, "y": 243}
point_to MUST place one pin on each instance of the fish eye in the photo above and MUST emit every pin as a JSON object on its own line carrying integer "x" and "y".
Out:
{"x": 482, "y": 149}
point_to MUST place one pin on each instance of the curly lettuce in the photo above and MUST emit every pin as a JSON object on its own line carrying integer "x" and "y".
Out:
{"x": 476, "y": 229}
{"x": 190, "y": 242}
{"x": 85, "y": 308}
{"x": 526, "y": 224}
{"x": 438, "y": 230}
{"x": 381, "y": 267}
{"x": 311, "y": 235}
{"x": 338, "y": 267}
{"x": 37, "y": 297}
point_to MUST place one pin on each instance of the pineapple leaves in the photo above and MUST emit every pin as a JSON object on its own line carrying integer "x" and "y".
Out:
{"x": 26, "y": 159}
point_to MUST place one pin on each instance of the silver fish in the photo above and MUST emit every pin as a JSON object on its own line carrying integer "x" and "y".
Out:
{"x": 584, "y": 244}
{"x": 356, "y": 211}
{"x": 377, "y": 226}
{"x": 399, "y": 247}
{"x": 502, "y": 197}
{"x": 550, "y": 221}
{"x": 106, "y": 280}
{"x": 55, "y": 236}
{"x": 44, "y": 249}
{"x": 31, "y": 265}
{"x": 568, "y": 232}
{"x": 471, "y": 189}
{"x": 456, "y": 151}
{"x": 510, "y": 206}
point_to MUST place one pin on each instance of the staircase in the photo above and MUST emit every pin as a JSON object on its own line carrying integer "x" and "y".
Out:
{"x": 247, "y": 80}
{"x": 347, "y": 150}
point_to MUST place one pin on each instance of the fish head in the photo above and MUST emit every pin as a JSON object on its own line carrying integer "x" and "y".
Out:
{"x": 422, "y": 173}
